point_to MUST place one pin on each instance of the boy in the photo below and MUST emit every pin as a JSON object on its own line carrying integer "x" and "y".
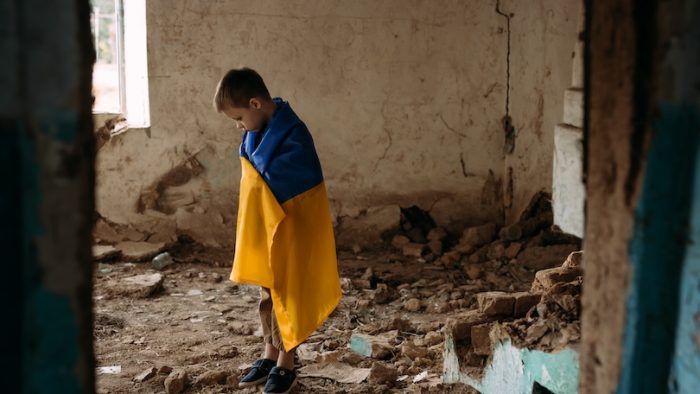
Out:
{"x": 284, "y": 234}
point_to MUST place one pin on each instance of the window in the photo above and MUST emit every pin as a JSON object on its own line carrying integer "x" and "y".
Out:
{"x": 120, "y": 75}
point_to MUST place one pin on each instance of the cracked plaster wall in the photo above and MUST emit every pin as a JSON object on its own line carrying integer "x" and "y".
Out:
{"x": 404, "y": 100}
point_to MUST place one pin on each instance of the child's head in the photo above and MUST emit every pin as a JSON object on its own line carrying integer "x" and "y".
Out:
{"x": 242, "y": 96}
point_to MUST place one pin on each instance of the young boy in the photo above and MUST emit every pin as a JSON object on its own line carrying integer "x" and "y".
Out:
{"x": 284, "y": 234}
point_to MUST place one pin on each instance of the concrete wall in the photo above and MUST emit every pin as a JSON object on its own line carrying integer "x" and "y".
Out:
{"x": 404, "y": 99}
{"x": 543, "y": 35}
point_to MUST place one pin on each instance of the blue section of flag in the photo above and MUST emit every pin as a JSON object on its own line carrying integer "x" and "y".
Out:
{"x": 284, "y": 154}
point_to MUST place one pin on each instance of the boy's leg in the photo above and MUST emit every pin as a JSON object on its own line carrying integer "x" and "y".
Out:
{"x": 284, "y": 359}
{"x": 269, "y": 325}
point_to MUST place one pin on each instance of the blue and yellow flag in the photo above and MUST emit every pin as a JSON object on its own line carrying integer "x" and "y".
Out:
{"x": 284, "y": 234}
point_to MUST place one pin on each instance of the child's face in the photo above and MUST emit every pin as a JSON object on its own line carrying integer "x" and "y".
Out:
{"x": 247, "y": 119}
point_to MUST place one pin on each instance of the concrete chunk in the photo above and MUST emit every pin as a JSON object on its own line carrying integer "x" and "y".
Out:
{"x": 575, "y": 259}
{"x": 139, "y": 286}
{"x": 543, "y": 257}
{"x": 496, "y": 303}
{"x": 546, "y": 279}
{"x": 524, "y": 301}
{"x": 459, "y": 326}
{"x": 140, "y": 251}
{"x": 481, "y": 339}
{"x": 371, "y": 346}
{"x": 104, "y": 252}
{"x": 145, "y": 375}
{"x": 382, "y": 374}
{"x": 479, "y": 235}
{"x": 414, "y": 249}
{"x": 176, "y": 382}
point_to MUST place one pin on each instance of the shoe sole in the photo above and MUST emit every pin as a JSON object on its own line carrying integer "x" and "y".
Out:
{"x": 294, "y": 383}
{"x": 243, "y": 385}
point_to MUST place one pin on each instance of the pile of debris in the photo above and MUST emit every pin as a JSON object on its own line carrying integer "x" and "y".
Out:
{"x": 493, "y": 259}
{"x": 471, "y": 290}
{"x": 546, "y": 318}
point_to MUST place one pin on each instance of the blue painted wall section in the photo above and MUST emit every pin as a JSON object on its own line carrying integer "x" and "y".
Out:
{"x": 50, "y": 331}
{"x": 657, "y": 251}
{"x": 661, "y": 346}
{"x": 685, "y": 370}
{"x": 514, "y": 371}
{"x": 46, "y": 157}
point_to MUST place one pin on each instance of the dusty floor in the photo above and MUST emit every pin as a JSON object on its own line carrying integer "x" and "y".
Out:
{"x": 200, "y": 322}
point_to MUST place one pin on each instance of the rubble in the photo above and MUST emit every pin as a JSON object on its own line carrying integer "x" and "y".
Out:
{"x": 496, "y": 303}
{"x": 382, "y": 374}
{"x": 104, "y": 252}
{"x": 162, "y": 260}
{"x": 371, "y": 346}
{"x": 543, "y": 257}
{"x": 339, "y": 372}
{"x": 145, "y": 375}
{"x": 545, "y": 280}
{"x": 176, "y": 382}
{"x": 368, "y": 227}
{"x": 139, "y": 286}
{"x": 524, "y": 301}
{"x": 139, "y": 251}
{"x": 412, "y": 305}
{"x": 432, "y": 291}
{"x": 479, "y": 235}
{"x": 481, "y": 339}
{"x": 414, "y": 249}
{"x": 211, "y": 378}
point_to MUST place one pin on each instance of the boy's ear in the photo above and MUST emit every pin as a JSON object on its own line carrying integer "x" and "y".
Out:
{"x": 255, "y": 103}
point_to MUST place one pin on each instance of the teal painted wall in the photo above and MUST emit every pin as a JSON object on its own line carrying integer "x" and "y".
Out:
{"x": 661, "y": 346}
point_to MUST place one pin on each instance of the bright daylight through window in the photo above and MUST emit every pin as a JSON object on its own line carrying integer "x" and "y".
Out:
{"x": 120, "y": 76}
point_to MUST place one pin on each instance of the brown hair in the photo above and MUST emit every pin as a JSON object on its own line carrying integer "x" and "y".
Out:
{"x": 237, "y": 87}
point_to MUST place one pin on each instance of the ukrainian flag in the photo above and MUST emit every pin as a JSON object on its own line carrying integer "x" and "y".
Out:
{"x": 284, "y": 238}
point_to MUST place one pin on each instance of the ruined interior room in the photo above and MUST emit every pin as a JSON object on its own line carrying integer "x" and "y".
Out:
{"x": 514, "y": 191}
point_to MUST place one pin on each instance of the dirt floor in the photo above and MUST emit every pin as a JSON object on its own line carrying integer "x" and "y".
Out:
{"x": 199, "y": 322}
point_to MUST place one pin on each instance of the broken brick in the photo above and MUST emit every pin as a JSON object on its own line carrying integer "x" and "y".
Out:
{"x": 511, "y": 233}
{"x": 437, "y": 234}
{"x": 413, "y": 249}
{"x": 512, "y": 250}
{"x": 543, "y": 257}
{"x": 382, "y": 374}
{"x": 524, "y": 301}
{"x": 546, "y": 279}
{"x": 399, "y": 241}
{"x": 481, "y": 339}
{"x": 496, "y": 303}
{"x": 479, "y": 235}
{"x": 496, "y": 251}
{"x": 575, "y": 259}
{"x": 145, "y": 375}
{"x": 435, "y": 247}
{"x": 459, "y": 326}
{"x": 176, "y": 382}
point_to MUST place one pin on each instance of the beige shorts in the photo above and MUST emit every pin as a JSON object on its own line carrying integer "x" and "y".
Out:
{"x": 271, "y": 332}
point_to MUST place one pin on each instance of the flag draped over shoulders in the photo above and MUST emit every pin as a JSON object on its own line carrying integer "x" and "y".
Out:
{"x": 284, "y": 233}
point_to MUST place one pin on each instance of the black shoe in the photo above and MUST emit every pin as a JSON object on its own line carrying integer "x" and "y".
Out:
{"x": 258, "y": 373}
{"x": 280, "y": 381}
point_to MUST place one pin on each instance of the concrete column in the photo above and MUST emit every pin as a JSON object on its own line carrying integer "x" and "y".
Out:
{"x": 46, "y": 210}
{"x": 568, "y": 191}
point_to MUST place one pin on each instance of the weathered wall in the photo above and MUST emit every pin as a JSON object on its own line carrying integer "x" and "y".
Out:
{"x": 609, "y": 197}
{"x": 404, "y": 99}
{"x": 47, "y": 200}
{"x": 641, "y": 268}
{"x": 543, "y": 35}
